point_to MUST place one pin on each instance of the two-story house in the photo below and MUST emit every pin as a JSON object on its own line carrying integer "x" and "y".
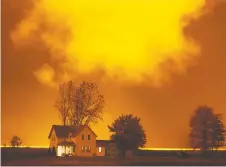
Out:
{"x": 78, "y": 141}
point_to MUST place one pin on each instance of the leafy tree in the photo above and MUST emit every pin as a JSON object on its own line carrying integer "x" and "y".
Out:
{"x": 89, "y": 105}
{"x": 207, "y": 129}
{"x": 16, "y": 141}
{"x": 80, "y": 105}
{"x": 128, "y": 133}
{"x": 217, "y": 132}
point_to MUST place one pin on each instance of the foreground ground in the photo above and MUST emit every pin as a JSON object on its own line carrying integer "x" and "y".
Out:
{"x": 39, "y": 157}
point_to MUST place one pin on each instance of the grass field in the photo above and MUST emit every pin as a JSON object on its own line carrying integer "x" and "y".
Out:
{"x": 39, "y": 157}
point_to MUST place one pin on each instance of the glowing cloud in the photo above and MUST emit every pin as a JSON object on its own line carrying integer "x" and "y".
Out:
{"x": 45, "y": 75}
{"x": 129, "y": 40}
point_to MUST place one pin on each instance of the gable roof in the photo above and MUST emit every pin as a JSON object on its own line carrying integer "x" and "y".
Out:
{"x": 64, "y": 131}
{"x": 67, "y": 143}
{"x": 104, "y": 143}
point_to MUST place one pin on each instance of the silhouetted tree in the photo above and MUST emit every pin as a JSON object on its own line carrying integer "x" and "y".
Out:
{"x": 217, "y": 132}
{"x": 16, "y": 141}
{"x": 65, "y": 102}
{"x": 49, "y": 151}
{"x": 54, "y": 151}
{"x": 207, "y": 129}
{"x": 89, "y": 105}
{"x": 128, "y": 133}
{"x": 80, "y": 105}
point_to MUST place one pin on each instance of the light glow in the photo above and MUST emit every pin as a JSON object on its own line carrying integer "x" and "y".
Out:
{"x": 99, "y": 149}
{"x": 130, "y": 40}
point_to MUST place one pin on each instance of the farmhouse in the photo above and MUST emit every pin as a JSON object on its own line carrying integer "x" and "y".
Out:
{"x": 78, "y": 141}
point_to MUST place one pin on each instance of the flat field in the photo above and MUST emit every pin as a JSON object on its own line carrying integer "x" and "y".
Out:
{"x": 40, "y": 157}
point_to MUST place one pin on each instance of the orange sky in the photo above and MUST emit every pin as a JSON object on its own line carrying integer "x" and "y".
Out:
{"x": 28, "y": 95}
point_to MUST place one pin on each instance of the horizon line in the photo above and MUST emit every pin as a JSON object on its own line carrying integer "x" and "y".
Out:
{"x": 144, "y": 148}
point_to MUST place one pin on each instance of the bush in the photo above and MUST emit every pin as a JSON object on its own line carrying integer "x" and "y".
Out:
{"x": 49, "y": 151}
{"x": 54, "y": 151}
{"x": 182, "y": 154}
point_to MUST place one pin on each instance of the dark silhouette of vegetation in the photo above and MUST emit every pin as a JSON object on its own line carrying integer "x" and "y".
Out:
{"x": 80, "y": 105}
{"x": 207, "y": 129}
{"x": 182, "y": 154}
{"x": 15, "y": 141}
{"x": 65, "y": 102}
{"x": 49, "y": 151}
{"x": 53, "y": 151}
{"x": 128, "y": 133}
{"x": 89, "y": 105}
{"x": 217, "y": 132}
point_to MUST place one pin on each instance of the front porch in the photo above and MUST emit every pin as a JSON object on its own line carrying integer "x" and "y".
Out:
{"x": 66, "y": 148}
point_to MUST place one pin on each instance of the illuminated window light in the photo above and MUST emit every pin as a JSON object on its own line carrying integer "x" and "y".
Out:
{"x": 99, "y": 149}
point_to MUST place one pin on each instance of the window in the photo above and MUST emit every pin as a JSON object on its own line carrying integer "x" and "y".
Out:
{"x": 99, "y": 149}
{"x": 70, "y": 136}
{"x": 86, "y": 149}
{"x": 82, "y": 136}
{"x": 88, "y": 137}
{"x": 83, "y": 149}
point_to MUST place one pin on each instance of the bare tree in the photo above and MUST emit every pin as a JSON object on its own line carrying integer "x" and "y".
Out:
{"x": 80, "y": 105}
{"x": 89, "y": 104}
{"x": 16, "y": 141}
{"x": 65, "y": 102}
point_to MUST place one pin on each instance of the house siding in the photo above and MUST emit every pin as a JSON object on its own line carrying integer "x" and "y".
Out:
{"x": 90, "y": 143}
{"x": 100, "y": 152}
{"x": 53, "y": 141}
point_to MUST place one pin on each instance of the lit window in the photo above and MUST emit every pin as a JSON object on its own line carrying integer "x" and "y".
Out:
{"x": 82, "y": 149}
{"x": 88, "y": 149}
{"x": 99, "y": 149}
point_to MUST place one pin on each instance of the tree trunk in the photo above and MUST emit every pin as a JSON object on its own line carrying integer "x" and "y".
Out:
{"x": 64, "y": 121}
{"x": 122, "y": 153}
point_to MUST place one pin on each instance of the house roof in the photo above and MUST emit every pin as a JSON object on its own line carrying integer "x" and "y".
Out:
{"x": 68, "y": 143}
{"x": 64, "y": 131}
{"x": 103, "y": 143}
